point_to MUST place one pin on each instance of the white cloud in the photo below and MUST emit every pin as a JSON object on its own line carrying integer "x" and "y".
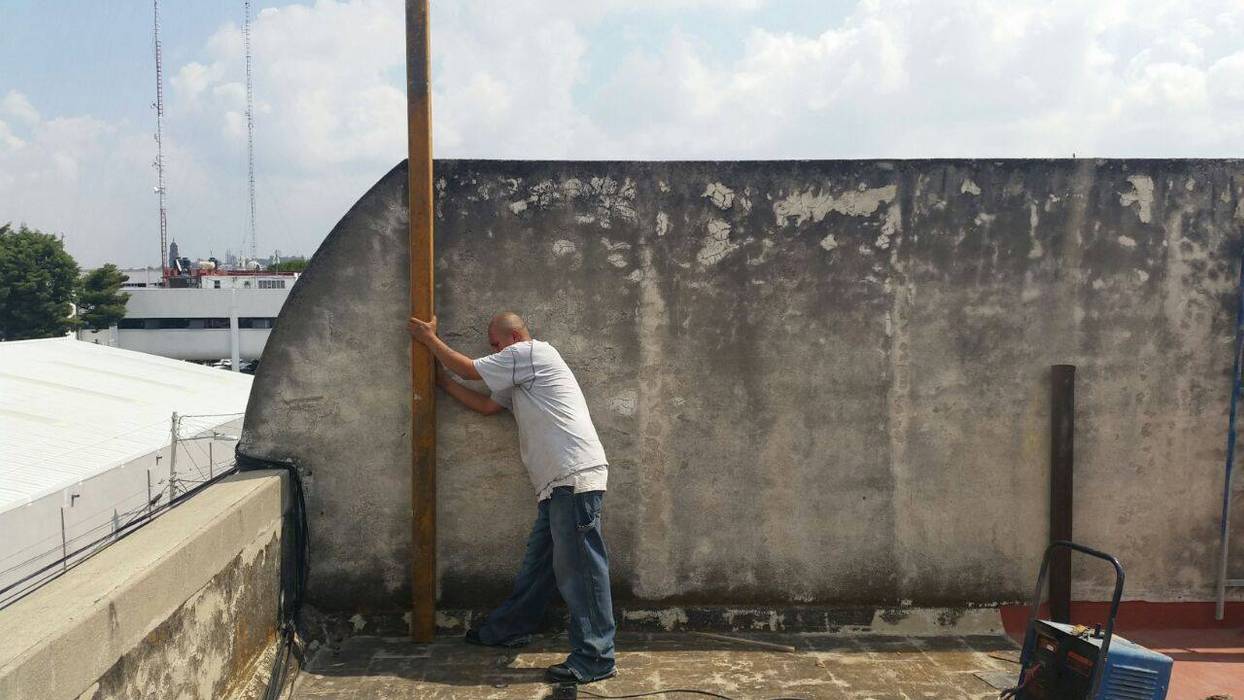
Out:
{"x": 80, "y": 176}
{"x": 1226, "y": 81}
{"x": 17, "y": 106}
{"x": 323, "y": 97}
{"x": 530, "y": 79}
{"x": 8, "y": 140}
{"x": 969, "y": 79}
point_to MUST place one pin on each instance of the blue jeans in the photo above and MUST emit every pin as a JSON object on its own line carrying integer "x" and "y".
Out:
{"x": 565, "y": 553}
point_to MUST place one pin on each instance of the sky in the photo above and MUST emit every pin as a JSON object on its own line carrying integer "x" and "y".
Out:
{"x": 541, "y": 79}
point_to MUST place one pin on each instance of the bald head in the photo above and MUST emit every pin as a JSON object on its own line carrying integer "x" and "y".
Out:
{"x": 505, "y": 329}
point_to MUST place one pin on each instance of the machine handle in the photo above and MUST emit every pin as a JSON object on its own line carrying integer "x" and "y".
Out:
{"x": 1100, "y": 666}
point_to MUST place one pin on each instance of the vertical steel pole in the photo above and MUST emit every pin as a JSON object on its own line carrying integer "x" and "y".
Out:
{"x": 1062, "y": 452}
{"x": 1224, "y": 525}
{"x": 172, "y": 462}
{"x": 422, "y": 374}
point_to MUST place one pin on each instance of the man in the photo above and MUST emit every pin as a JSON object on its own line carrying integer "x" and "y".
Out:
{"x": 566, "y": 462}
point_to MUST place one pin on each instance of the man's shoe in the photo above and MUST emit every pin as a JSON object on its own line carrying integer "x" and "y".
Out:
{"x": 561, "y": 673}
{"x": 472, "y": 637}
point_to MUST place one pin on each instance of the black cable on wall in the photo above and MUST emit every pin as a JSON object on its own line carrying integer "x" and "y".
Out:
{"x": 294, "y": 571}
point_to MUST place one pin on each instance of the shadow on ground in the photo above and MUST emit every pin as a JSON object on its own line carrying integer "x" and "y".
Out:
{"x": 822, "y": 666}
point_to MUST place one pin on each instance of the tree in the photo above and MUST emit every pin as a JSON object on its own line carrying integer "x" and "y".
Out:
{"x": 101, "y": 302}
{"x": 37, "y": 283}
{"x": 295, "y": 265}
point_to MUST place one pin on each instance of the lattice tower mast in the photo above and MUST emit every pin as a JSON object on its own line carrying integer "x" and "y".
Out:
{"x": 250, "y": 132}
{"x": 159, "y": 139}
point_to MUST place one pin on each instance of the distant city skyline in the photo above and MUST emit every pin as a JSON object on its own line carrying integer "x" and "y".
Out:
{"x": 228, "y": 258}
{"x": 616, "y": 79}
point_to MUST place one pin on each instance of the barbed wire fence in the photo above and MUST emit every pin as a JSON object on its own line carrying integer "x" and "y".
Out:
{"x": 200, "y": 452}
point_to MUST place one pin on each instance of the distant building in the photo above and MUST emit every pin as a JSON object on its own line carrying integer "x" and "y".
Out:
{"x": 225, "y": 280}
{"x": 141, "y": 277}
{"x": 201, "y": 311}
{"x": 223, "y": 312}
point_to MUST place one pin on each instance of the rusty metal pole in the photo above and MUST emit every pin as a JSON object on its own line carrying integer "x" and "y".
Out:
{"x": 422, "y": 370}
{"x": 1062, "y": 478}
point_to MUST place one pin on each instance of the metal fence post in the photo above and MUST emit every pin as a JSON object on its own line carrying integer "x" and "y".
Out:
{"x": 172, "y": 462}
{"x": 64, "y": 542}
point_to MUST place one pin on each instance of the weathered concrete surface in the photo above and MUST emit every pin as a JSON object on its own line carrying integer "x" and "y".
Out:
{"x": 821, "y": 667}
{"x": 181, "y": 608}
{"x": 819, "y": 383}
{"x": 207, "y": 647}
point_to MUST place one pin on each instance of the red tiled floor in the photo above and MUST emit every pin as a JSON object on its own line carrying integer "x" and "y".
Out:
{"x": 1207, "y": 662}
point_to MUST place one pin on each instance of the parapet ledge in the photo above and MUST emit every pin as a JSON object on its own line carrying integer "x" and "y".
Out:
{"x": 60, "y": 639}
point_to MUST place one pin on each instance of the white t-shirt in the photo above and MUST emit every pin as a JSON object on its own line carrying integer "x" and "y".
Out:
{"x": 590, "y": 479}
{"x": 556, "y": 437}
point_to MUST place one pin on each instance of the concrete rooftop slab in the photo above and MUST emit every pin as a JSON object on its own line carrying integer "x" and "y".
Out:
{"x": 822, "y": 666}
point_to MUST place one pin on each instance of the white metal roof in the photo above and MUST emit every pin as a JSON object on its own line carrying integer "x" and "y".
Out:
{"x": 70, "y": 410}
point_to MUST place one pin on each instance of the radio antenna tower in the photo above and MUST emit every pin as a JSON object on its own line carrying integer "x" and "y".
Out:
{"x": 159, "y": 139}
{"x": 250, "y": 130}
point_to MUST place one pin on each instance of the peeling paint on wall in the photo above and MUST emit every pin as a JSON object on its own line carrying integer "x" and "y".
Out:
{"x": 720, "y": 195}
{"x": 613, "y": 199}
{"x": 670, "y": 619}
{"x": 804, "y": 206}
{"x": 717, "y": 243}
{"x": 1141, "y": 195}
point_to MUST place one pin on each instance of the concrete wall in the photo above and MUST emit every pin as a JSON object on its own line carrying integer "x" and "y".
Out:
{"x": 819, "y": 383}
{"x": 182, "y": 608}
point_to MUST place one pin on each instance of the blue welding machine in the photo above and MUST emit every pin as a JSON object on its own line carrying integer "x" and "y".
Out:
{"x": 1074, "y": 662}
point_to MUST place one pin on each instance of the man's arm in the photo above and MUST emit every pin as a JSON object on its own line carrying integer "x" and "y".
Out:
{"x": 469, "y": 397}
{"x": 459, "y": 364}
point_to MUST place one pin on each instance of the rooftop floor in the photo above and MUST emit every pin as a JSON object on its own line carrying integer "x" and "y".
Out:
{"x": 821, "y": 666}
{"x": 1207, "y": 662}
